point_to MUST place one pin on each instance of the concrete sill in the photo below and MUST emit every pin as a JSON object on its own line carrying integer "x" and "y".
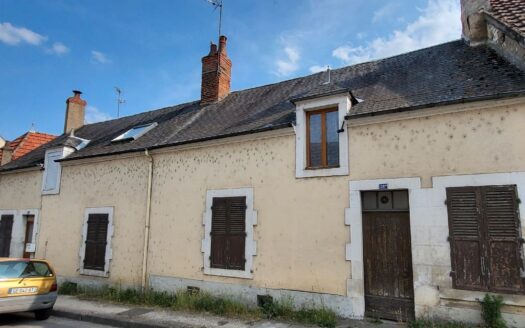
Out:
{"x": 473, "y": 296}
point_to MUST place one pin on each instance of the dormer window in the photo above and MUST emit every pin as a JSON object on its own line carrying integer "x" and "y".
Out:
{"x": 322, "y": 138}
{"x": 135, "y": 132}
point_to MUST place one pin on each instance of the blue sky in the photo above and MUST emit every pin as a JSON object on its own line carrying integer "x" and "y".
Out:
{"x": 152, "y": 49}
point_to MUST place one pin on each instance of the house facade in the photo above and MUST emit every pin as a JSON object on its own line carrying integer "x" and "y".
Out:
{"x": 388, "y": 189}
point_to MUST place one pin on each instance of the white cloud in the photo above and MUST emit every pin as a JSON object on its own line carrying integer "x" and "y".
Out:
{"x": 58, "y": 48}
{"x": 99, "y": 57}
{"x": 439, "y": 22}
{"x": 13, "y": 35}
{"x": 94, "y": 115}
{"x": 317, "y": 68}
{"x": 289, "y": 65}
{"x": 384, "y": 11}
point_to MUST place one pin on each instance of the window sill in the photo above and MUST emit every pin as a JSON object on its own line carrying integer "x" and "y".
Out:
{"x": 95, "y": 273}
{"x": 312, "y": 168}
{"x": 228, "y": 273}
{"x": 474, "y": 296}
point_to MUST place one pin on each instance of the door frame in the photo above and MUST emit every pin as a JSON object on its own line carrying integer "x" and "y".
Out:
{"x": 19, "y": 228}
{"x": 368, "y": 215}
{"x": 354, "y": 219}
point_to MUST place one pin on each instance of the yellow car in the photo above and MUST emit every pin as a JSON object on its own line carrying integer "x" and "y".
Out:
{"x": 27, "y": 285}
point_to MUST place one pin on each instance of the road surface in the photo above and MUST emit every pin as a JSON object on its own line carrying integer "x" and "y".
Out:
{"x": 24, "y": 320}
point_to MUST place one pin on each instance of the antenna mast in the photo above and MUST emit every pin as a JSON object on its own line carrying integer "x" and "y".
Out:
{"x": 120, "y": 100}
{"x": 217, "y": 4}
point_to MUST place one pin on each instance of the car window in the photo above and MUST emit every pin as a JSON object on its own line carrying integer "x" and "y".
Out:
{"x": 21, "y": 269}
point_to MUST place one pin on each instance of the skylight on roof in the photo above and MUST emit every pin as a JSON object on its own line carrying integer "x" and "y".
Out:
{"x": 135, "y": 132}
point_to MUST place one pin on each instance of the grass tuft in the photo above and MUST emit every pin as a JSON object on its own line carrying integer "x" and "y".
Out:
{"x": 204, "y": 302}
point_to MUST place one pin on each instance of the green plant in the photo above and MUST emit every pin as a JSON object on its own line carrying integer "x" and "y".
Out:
{"x": 491, "y": 311}
{"x": 204, "y": 302}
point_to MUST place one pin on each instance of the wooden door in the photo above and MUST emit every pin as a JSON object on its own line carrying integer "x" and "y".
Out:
{"x": 389, "y": 292}
{"x": 6, "y": 227}
{"x": 30, "y": 221}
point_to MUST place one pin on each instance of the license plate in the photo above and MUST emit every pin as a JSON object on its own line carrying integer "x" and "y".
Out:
{"x": 23, "y": 290}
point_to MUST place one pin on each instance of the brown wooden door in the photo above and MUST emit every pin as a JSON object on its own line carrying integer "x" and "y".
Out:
{"x": 30, "y": 221}
{"x": 6, "y": 227}
{"x": 389, "y": 292}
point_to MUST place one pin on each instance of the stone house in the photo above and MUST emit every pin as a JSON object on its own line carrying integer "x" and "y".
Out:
{"x": 389, "y": 188}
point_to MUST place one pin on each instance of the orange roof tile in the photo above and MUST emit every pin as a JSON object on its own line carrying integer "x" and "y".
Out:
{"x": 26, "y": 143}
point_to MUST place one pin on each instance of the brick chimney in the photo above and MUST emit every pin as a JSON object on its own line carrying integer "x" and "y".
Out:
{"x": 75, "y": 112}
{"x": 473, "y": 20}
{"x": 216, "y": 74}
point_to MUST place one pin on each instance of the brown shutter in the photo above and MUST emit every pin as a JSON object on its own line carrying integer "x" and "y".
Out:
{"x": 228, "y": 233}
{"x": 503, "y": 238}
{"x": 237, "y": 233}
{"x": 219, "y": 221}
{"x": 96, "y": 240}
{"x": 465, "y": 238}
{"x": 6, "y": 227}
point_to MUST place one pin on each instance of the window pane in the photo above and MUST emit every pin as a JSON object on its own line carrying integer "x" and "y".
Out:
{"x": 369, "y": 200}
{"x": 401, "y": 200}
{"x": 332, "y": 138}
{"x": 315, "y": 140}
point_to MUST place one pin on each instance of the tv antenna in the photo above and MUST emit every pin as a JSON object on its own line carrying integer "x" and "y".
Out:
{"x": 217, "y": 4}
{"x": 120, "y": 100}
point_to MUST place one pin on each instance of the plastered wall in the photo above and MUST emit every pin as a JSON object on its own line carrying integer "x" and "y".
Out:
{"x": 120, "y": 184}
{"x": 20, "y": 190}
{"x": 477, "y": 141}
{"x": 300, "y": 232}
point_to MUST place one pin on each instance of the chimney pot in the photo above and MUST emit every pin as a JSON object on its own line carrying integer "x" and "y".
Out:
{"x": 216, "y": 74}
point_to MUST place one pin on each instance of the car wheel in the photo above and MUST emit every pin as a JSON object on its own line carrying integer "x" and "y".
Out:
{"x": 43, "y": 314}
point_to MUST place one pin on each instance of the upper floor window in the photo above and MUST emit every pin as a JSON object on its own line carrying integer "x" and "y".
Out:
{"x": 52, "y": 171}
{"x": 322, "y": 138}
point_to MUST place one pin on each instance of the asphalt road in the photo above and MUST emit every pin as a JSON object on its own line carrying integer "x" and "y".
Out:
{"x": 28, "y": 321}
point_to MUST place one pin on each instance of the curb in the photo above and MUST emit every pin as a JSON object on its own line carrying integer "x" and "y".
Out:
{"x": 116, "y": 322}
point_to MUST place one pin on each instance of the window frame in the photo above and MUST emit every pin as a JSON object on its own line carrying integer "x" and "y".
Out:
{"x": 109, "y": 236}
{"x": 324, "y": 146}
{"x": 250, "y": 245}
{"x": 343, "y": 104}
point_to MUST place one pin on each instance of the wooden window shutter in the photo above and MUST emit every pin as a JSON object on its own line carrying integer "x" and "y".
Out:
{"x": 96, "y": 241}
{"x": 237, "y": 233}
{"x": 465, "y": 238}
{"x": 219, "y": 233}
{"x": 503, "y": 238}
{"x": 228, "y": 233}
{"x": 6, "y": 228}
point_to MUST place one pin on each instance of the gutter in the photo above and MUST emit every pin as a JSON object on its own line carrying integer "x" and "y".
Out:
{"x": 147, "y": 223}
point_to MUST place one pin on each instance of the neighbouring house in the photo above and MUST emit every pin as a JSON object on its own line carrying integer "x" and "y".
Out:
{"x": 11, "y": 150}
{"x": 389, "y": 189}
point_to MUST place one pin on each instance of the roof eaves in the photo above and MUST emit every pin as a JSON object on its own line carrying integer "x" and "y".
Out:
{"x": 437, "y": 104}
{"x": 263, "y": 129}
{"x": 319, "y": 95}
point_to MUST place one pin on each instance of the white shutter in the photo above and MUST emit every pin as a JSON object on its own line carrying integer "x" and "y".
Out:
{"x": 51, "y": 181}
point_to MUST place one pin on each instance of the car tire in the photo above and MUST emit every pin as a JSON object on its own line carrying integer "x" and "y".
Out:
{"x": 43, "y": 314}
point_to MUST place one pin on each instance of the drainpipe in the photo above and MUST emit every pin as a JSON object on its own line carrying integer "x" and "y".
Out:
{"x": 147, "y": 225}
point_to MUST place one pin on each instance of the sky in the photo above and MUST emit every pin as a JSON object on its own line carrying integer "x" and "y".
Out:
{"x": 152, "y": 50}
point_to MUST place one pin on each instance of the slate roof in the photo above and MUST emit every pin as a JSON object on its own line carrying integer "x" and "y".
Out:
{"x": 509, "y": 12}
{"x": 444, "y": 74}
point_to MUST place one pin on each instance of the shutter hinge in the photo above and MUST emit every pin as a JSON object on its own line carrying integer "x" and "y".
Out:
{"x": 446, "y": 201}
{"x": 448, "y": 239}
{"x": 518, "y": 200}
{"x": 452, "y": 273}
{"x": 209, "y": 257}
{"x": 521, "y": 241}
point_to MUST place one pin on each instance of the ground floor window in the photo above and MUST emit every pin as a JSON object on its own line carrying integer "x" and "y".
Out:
{"x": 485, "y": 238}
{"x": 6, "y": 229}
{"x": 228, "y": 244}
{"x": 95, "y": 251}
